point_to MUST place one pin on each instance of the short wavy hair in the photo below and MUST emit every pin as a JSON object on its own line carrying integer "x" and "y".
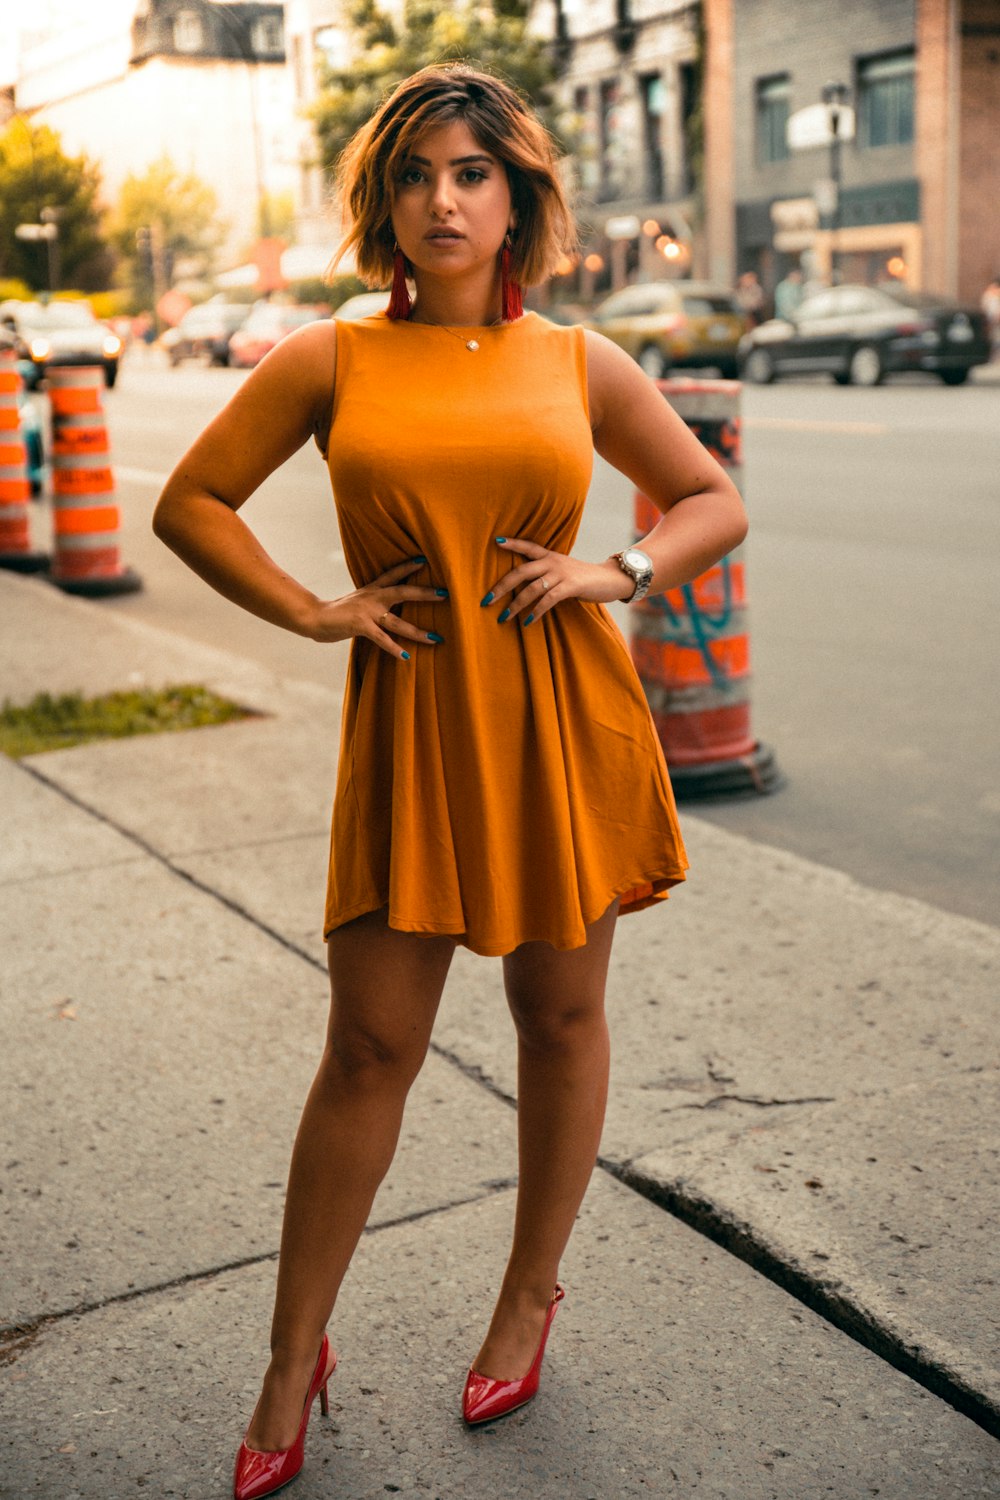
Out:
{"x": 502, "y": 122}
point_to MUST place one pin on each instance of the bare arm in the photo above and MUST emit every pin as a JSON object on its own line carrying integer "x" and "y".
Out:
{"x": 637, "y": 431}
{"x": 282, "y": 403}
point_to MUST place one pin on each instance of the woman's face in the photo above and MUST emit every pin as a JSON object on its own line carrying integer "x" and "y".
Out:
{"x": 451, "y": 203}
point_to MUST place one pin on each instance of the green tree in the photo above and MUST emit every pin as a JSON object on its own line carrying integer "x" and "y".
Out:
{"x": 39, "y": 182}
{"x": 165, "y": 217}
{"x": 383, "y": 52}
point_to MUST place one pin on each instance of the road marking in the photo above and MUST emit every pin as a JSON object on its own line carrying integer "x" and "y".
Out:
{"x": 804, "y": 424}
{"x": 141, "y": 476}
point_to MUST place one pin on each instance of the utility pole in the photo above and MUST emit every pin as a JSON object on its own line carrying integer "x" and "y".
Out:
{"x": 835, "y": 99}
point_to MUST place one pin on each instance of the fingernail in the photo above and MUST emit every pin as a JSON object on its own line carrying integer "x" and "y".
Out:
{"x": 420, "y": 559}
{"x": 405, "y": 655}
{"x": 528, "y": 619}
{"x": 501, "y": 539}
{"x": 487, "y": 600}
{"x": 432, "y": 635}
{"x": 504, "y": 616}
{"x": 441, "y": 593}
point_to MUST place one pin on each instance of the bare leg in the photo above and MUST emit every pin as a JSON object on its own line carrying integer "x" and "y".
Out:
{"x": 557, "y": 1002}
{"x": 385, "y": 988}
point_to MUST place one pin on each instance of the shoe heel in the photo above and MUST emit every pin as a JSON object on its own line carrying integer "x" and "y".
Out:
{"x": 324, "y": 1401}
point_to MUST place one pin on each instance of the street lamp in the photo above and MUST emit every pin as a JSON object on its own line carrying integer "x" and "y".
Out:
{"x": 835, "y": 96}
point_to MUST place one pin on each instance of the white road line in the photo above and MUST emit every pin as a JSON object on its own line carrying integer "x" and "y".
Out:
{"x": 805, "y": 424}
{"x": 140, "y": 476}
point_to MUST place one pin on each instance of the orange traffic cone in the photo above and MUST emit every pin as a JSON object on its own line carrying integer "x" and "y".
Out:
{"x": 87, "y": 556}
{"x": 691, "y": 646}
{"x": 15, "y": 484}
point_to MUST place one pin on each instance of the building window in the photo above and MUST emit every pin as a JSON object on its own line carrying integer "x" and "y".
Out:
{"x": 885, "y": 99}
{"x": 773, "y": 95}
{"x": 687, "y": 82}
{"x": 587, "y": 147}
{"x": 267, "y": 36}
{"x": 188, "y": 35}
{"x": 654, "y": 106}
{"x": 611, "y": 144}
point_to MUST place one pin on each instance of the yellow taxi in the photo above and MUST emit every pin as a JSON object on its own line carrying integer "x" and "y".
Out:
{"x": 668, "y": 325}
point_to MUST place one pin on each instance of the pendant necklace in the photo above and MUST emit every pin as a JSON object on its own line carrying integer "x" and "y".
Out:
{"x": 471, "y": 344}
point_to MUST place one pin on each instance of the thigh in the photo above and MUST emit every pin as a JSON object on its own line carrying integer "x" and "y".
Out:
{"x": 539, "y": 978}
{"x": 385, "y": 985}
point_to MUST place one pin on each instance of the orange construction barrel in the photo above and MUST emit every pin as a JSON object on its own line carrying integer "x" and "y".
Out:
{"x": 87, "y": 554}
{"x": 691, "y": 645}
{"x": 15, "y": 483}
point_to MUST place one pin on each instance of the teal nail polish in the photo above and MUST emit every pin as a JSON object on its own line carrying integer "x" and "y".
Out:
{"x": 438, "y": 640}
{"x": 501, "y": 539}
{"x": 504, "y": 616}
{"x": 406, "y": 656}
{"x": 420, "y": 559}
{"x": 487, "y": 600}
{"x": 441, "y": 593}
{"x": 528, "y": 619}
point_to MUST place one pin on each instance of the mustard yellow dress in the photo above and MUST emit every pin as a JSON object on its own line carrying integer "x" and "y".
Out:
{"x": 507, "y": 785}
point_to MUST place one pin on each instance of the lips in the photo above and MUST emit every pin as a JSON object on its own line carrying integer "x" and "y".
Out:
{"x": 444, "y": 235}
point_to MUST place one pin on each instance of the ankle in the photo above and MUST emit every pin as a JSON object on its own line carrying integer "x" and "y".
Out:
{"x": 527, "y": 1293}
{"x": 288, "y": 1358}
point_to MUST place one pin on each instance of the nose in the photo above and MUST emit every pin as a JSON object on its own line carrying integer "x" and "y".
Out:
{"x": 443, "y": 197}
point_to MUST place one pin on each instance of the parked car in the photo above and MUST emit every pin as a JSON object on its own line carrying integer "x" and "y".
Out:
{"x": 673, "y": 324}
{"x": 860, "y": 334}
{"x": 61, "y": 333}
{"x": 204, "y": 332}
{"x": 266, "y": 326}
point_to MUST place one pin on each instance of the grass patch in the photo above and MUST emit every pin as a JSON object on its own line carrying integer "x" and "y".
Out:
{"x": 55, "y": 723}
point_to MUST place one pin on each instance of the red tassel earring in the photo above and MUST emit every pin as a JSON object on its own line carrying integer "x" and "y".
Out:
{"x": 511, "y": 301}
{"x": 399, "y": 302}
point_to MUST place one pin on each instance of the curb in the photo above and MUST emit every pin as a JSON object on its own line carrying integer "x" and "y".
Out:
{"x": 735, "y": 1235}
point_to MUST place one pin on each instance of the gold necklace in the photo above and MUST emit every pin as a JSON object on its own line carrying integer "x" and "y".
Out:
{"x": 471, "y": 344}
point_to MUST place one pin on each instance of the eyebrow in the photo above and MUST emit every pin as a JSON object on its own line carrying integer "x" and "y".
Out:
{"x": 456, "y": 161}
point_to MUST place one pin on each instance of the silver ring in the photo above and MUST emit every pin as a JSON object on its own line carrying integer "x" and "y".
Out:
{"x": 382, "y": 617}
{"x": 544, "y": 582}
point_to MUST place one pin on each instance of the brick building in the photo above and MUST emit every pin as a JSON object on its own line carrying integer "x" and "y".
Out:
{"x": 628, "y": 87}
{"x": 919, "y": 174}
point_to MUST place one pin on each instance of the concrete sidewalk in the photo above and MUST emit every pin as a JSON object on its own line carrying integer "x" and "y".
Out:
{"x": 783, "y": 1280}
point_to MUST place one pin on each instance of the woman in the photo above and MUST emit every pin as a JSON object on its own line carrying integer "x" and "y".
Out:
{"x": 499, "y": 784}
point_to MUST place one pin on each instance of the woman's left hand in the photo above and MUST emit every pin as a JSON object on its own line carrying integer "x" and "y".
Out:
{"x": 546, "y": 578}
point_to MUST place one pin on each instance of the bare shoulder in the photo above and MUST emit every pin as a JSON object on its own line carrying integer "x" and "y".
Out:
{"x": 614, "y": 380}
{"x": 299, "y": 374}
{"x": 307, "y": 357}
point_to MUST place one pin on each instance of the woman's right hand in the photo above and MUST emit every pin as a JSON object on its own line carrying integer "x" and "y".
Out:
{"x": 369, "y": 612}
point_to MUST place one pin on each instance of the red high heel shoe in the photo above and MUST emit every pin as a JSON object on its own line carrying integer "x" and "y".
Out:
{"x": 258, "y": 1474}
{"x": 485, "y": 1399}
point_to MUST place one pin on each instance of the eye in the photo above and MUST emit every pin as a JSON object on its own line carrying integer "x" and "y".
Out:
{"x": 410, "y": 175}
{"x": 474, "y": 174}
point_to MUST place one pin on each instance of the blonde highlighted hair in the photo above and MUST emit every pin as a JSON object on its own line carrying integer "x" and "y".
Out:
{"x": 503, "y": 124}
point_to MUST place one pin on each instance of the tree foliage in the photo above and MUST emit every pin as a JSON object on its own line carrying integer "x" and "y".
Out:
{"x": 384, "y": 51}
{"x": 163, "y": 217}
{"x": 36, "y": 175}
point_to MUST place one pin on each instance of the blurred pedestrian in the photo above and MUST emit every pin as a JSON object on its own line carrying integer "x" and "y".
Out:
{"x": 500, "y": 783}
{"x": 750, "y": 296}
{"x": 990, "y": 304}
{"x": 788, "y": 294}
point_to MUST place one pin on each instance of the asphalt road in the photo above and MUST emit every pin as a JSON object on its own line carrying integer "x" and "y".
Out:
{"x": 872, "y": 563}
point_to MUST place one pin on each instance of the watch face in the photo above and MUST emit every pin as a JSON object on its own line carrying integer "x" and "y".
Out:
{"x": 636, "y": 559}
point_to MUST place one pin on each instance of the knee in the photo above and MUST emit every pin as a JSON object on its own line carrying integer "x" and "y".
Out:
{"x": 559, "y": 1030}
{"x": 362, "y": 1058}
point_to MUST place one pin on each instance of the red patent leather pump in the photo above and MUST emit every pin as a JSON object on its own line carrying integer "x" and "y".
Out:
{"x": 258, "y": 1474}
{"x": 485, "y": 1399}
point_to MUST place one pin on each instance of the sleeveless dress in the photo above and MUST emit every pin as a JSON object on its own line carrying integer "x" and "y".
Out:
{"x": 507, "y": 785}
